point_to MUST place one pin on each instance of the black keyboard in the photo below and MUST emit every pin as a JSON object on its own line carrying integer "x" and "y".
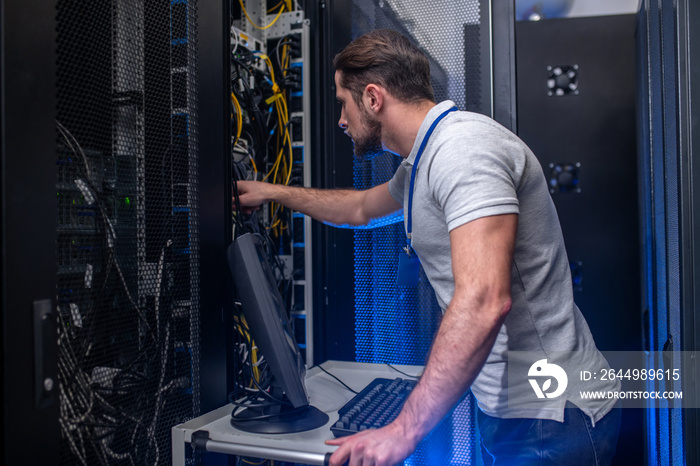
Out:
{"x": 375, "y": 406}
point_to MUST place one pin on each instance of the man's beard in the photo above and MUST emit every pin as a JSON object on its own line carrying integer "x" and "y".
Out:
{"x": 369, "y": 146}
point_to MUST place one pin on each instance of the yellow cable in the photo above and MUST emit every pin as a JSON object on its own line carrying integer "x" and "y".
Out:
{"x": 289, "y": 141}
{"x": 280, "y": 101}
{"x": 277, "y": 166}
{"x": 253, "y": 362}
{"x": 283, "y": 112}
{"x": 239, "y": 120}
{"x": 250, "y": 462}
{"x": 285, "y": 58}
{"x": 272, "y": 70}
{"x": 269, "y": 10}
{"x": 239, "y": 129}
{"x": 243, "y": 325}
{"x": 255, "y": 25}
{"x": 273, "y": 171}
{"x": 283, "y": 123}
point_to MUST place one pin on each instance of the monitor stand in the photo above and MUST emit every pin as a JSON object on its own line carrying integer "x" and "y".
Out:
{"x": 279, "y": 419}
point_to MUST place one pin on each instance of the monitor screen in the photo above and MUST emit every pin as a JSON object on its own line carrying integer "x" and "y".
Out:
{"x": 271, "y": 329}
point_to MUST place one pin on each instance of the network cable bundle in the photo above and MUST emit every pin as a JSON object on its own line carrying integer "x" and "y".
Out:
{"x": 127, "y": 239}
{"x": 262, "y": 130}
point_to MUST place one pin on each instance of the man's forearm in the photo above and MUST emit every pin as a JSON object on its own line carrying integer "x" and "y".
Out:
{"x": 337, "y": 206}
{"x": 459, "y": 351}
{"x": 482, "y": 255}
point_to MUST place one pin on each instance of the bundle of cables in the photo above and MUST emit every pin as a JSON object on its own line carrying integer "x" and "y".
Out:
{"x": 255, "y": 391}
{"x": 112, "y": 395}
{"x": 260, "y": 119}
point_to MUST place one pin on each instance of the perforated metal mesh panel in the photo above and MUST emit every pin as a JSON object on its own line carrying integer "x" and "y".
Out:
{"x": 128, "y": 247}
{"x": 659, "y": 149}
{"x": 393, "y": 324}
{"x": 397, "y": 324}
{"x": 477, "y": 66}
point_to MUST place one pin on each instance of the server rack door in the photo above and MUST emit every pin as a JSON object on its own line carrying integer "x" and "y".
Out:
{"x": 668, "y": 141}
{"x": 689, "y": 70}
{"x": 131, "y": 250}
{"x": 27, "y": 238}
{"x": 213, "y": 89}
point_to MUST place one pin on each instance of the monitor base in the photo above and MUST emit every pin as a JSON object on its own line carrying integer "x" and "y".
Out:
{"x": 295, "y": 420}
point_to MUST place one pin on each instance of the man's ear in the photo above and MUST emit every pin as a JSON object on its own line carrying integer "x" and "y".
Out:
{"x": 373, "y": 98}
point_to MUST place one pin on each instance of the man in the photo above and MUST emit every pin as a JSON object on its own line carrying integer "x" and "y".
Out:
{"x": 482, "y": 221}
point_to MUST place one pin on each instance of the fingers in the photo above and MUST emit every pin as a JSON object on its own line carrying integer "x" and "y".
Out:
{"x": 351, "y": 450}
{"x": 337, "y": 441}
{"x": 242, "y": 188}
{"x": 342, "y": 454}
{"x": 380, "y": 447}
{"x": 242, "y": 185}
{"x": 249, "y": 196}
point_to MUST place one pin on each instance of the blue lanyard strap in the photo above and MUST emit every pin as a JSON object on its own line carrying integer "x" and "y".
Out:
{"x": 409, "y": 224}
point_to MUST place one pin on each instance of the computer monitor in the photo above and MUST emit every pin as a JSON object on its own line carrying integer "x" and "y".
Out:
{"x": 271, "y": 329}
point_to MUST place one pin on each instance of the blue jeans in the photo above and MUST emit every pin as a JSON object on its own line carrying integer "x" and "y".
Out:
{"x": 543, "y": 442}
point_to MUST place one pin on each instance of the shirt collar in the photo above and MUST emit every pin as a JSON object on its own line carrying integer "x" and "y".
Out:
{"x": 432, "y": 115}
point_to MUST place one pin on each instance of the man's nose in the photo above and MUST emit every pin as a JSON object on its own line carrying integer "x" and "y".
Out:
{"x": 343, "y": 123}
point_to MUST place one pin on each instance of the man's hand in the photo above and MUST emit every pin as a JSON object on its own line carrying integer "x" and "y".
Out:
{"x": 381, "y": 447}
{"x": 252, "y": 194}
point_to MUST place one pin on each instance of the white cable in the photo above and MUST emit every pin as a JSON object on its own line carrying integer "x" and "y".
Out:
{"x": 238, "y": 40}
{"x": 87, "y": 165}
{"x": 112, "y": 453}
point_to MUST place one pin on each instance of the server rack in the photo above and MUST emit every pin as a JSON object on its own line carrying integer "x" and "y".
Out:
{"x": 273, "y": 37}
{"x": 582, "y": 130}
{"x": 128, "y": 227}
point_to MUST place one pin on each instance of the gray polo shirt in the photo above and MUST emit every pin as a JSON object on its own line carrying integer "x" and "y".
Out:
{"x": 472, "y": 168}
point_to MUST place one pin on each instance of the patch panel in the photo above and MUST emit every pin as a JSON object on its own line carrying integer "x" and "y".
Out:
{"x": 297, "y": 128}
{"x": 299, "y": 236}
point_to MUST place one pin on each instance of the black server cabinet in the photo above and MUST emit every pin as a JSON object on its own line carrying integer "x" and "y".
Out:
{"x": 213, "y": 85}
{"x": 28, "y": 236}
{"x": 108, "y": 242}
{"x": 576, "y": 111}
{"x": 336, "y": 338}
{"x": 142, "y": 234}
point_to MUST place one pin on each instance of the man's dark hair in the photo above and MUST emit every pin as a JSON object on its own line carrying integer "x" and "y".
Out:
{"x": 389, "y": 59}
